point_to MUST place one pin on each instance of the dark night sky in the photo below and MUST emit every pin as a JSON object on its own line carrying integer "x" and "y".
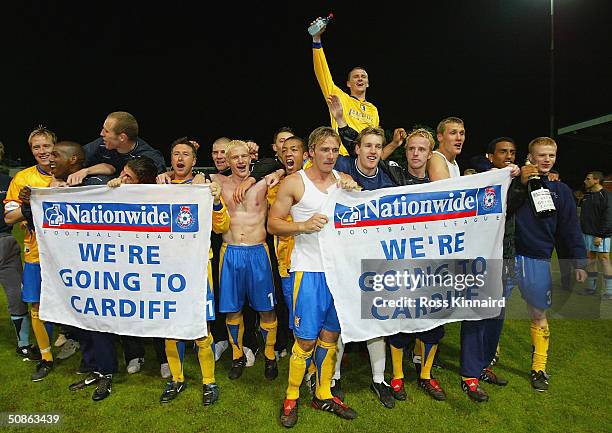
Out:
{"x": 184, "y": 68}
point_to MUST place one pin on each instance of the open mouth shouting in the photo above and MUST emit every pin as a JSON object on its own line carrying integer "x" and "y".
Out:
{"x": 289, "y": 162}
{"x": 242, "y": 167}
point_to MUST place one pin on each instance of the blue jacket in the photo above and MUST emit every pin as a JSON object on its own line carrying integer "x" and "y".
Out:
{"x": 535, "y": 237}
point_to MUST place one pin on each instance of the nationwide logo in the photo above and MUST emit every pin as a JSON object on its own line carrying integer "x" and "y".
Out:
{"x": 420, "y": 207}
{"x": 121, "y": 217}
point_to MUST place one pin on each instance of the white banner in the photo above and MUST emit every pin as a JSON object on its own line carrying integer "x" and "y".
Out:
{"x": 130, "y": 260}
{"x": 410, "y": 258}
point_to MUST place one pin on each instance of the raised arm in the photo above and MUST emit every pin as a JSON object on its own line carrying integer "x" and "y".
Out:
{"x": 399, "y": 136}
{"x": 321, "y": 68}
{"x": 347, "y": 134}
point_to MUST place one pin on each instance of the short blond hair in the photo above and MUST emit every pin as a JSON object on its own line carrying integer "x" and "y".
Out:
{"x": 319, "y": 135}
{"x": 234, "y": 144}
{"x": 542, "y": 141}
{"x": 42, "y": 130}
{"x": 422, "y": 132}
{"x": 442, "y": 125}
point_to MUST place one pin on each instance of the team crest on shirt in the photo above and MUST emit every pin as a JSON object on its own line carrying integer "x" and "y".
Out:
{"x": 363, "y": 107}
{"x": 185, "y": 218}
{"x": 490, "y": 198}
{"x": 296, "y": 322}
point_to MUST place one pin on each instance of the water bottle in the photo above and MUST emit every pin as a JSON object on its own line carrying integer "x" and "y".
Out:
{"x": 319, "y": 24}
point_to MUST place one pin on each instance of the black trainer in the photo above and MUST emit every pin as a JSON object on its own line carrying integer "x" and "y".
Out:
{"x": 271, "y": 369}
{"x": 90, "y": 379}
{"x": 336, "y": 390}
{"x": 104, "y": 388}
{"x": 335, "y": 406}
{"x": 210, "y": 393}
{"x": 237, "y": 367}
{"x": 172, "y": 390}
{"x": 29, "y": 353}
{"x": 43, "y": 368}
{"x": 473, "y": 390}
{"x": 432, "y": 387}
{"x": 539, "y": 380}
{"x": 489, "y": 376}
{"x": 289, "y": 413}
{"x": 383, "y": 391}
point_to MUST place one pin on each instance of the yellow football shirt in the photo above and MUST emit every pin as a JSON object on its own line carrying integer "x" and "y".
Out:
{"x": 34, "y": 177}
{"x": 358, "y": 114}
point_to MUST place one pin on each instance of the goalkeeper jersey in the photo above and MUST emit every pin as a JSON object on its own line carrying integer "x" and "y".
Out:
{"x": 358, "y": 114}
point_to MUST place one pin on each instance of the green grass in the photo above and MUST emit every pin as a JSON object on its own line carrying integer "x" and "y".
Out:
{"x": 578, "y": 400}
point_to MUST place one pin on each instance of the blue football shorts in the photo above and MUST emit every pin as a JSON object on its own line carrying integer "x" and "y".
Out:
{"x": 313, "y": 305}
{"x": 534, "y": 281}
{"x": 30, "y": 291}
{"x": 245, "y": 272}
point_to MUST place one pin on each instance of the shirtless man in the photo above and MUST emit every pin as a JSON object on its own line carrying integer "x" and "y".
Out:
{"x": 245, "y": 269}
{"x": 316, "y": 327}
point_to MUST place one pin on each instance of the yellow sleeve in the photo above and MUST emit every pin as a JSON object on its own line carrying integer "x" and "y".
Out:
{"x": 323, "y": 73}
{"x": 284, "y": 247}
{"x": 220, "y": 219}
{"x": 281, "y": 253}
{"x": 11, "y": 200}
{"x": 271, "y": 196}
